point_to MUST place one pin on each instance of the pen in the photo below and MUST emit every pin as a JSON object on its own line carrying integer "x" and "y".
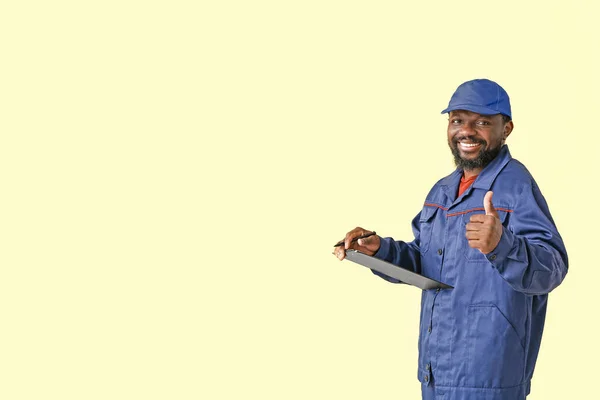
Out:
{"x": 341, "y": 242}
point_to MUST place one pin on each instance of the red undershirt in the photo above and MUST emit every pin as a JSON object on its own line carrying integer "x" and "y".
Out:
{"x": 465, "y": 183}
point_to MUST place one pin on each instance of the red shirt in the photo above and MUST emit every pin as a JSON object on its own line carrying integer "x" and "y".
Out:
{"x": 465, "y": 183}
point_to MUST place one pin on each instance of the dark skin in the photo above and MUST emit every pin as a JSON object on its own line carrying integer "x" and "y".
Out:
{"x": 471, "y": 129}
{"x": 470, "y": 133}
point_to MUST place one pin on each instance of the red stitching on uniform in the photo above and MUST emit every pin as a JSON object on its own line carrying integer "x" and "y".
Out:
{"x": 436, "y": 205}
{"x": 477, "y": 209}
{"x": 466, "y": 211}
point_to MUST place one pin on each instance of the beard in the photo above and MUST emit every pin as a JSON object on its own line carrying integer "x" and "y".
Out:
{"x": 484, "y": 157}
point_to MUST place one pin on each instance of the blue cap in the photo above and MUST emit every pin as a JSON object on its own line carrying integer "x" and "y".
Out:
{"x": 481, "y": 96}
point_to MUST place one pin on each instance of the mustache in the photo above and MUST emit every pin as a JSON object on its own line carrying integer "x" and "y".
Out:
{"x": 457, "y": 139}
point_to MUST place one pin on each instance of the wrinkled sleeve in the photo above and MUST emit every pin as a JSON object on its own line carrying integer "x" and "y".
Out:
{"x": 404, "y": 254}
{"x": 531, "y": 255}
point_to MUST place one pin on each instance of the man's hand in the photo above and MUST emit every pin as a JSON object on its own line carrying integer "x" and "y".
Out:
{"x": 484, "y": 231}
{"x": 368, "y": 245}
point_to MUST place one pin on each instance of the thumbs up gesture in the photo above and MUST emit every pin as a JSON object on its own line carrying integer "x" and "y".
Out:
{"x": 484, "y": 231}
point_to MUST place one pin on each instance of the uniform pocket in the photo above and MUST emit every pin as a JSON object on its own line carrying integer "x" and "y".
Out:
{"x": 474, "y": 255}
{"x": 496, "y": 354}
{"x": 426, "y": 222}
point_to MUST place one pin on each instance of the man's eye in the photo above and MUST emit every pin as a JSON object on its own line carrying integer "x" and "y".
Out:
{"x": 456, "y": 121}
{"x": 483, "y": 123}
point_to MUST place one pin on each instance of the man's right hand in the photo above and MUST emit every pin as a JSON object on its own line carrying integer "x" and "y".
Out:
{"x": 368, "y": 245}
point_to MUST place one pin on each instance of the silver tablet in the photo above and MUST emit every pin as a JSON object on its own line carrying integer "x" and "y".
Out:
{"x": 391, "y": 270}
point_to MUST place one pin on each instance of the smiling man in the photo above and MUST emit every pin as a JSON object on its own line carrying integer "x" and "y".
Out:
{"x": 486, "y": 230}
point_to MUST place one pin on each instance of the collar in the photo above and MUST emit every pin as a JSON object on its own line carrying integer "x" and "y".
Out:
{"x": 490, "y": 172}
{"x": 485, "y": 178}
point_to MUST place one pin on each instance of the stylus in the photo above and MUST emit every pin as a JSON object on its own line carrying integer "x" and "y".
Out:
{"x": 341, "y": 242}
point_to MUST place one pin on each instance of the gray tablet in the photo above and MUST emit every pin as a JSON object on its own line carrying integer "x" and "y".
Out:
{"x": 391, "y": 270}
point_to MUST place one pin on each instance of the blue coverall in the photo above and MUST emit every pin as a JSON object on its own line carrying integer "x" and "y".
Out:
{"x": 481, "y": 339}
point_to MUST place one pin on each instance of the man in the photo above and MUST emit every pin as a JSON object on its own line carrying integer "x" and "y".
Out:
{"x": 486, "y": 230}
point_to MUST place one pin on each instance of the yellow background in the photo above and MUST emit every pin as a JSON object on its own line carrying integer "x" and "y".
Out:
{"x": 174, "y": 174}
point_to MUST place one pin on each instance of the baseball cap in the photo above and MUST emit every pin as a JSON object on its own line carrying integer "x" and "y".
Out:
{"x": 481, "y": 96}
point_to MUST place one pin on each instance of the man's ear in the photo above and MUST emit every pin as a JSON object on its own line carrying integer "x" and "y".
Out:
{"x": 508, "y": 128}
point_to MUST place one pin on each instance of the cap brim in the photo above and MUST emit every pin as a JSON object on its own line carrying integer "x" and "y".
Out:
{"x": 473, "y": 108}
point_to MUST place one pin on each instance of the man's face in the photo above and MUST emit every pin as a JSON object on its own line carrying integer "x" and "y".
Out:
{"x": 476, "y": 139}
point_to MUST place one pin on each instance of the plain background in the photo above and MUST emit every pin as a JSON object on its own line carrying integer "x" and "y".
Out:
{"x": 174, "y": 174}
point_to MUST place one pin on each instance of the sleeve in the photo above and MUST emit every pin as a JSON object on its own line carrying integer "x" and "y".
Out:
{"x": 404, "y": 254}
{"x": 531, "y": 255}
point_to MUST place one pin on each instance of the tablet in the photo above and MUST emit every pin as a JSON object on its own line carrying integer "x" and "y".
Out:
{"x": 391, "y": 270}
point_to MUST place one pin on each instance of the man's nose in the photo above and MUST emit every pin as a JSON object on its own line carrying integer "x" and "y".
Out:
{"x": 466, "y": 128}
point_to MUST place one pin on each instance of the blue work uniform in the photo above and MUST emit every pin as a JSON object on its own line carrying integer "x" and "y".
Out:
{"x": 481, "y": 339}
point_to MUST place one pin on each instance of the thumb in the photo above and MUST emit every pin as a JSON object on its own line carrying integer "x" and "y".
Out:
{"x": 487, "y": 204}
{"x": 371, "y": 243}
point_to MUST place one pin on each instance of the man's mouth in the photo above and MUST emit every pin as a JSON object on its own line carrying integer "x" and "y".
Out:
{"x": 469, "y": 146}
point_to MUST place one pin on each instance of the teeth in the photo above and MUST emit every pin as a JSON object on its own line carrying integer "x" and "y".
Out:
{"x": 469, "y": 144}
